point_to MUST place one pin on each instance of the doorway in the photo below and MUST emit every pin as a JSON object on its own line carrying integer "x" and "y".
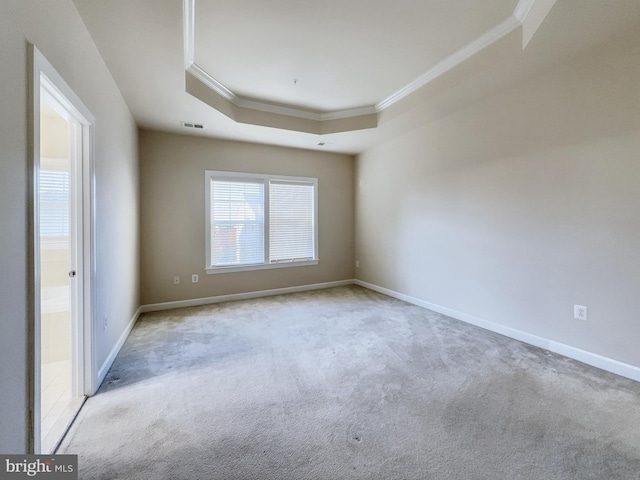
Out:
{"x": 62, "y": 256}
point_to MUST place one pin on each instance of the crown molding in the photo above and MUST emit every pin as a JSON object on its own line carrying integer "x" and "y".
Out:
{"x": 351, "y": 112}
{"x": 212, "y": 83}
{"x": 522, "y": 9}
{"x": 302, "y": 113}
{"x": 189, "y": 8}
{"x": 515, "y": 21}
{"x": 201, "y": 86}
{"x": 466, "y": 52}
{"x": 277, "y": 109}
{"x": 199, "y": 73}
{"x": 189, "y": 31}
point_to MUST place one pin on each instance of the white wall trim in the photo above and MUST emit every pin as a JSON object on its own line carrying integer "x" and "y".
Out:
{"x": 277, "y": 109}
{"x": 595, "y": 360}
{"x": 466, "y": 52}
{"x": 106, "y": 365}
{"x": 479, "y": 322}
{"x": 302, "y": 113}
{"x": 199, "y": 73}
{"x": 351, "y": 112}
{"x": 604, "y": 363}
{"x": 483, "y": 41}
{"x": 155, "y": 307}
{"x": 189, "y": 12}
{"x": 188, "y": 19}
{"x": 522, "y": 9}
{"x": 46, "y": 83}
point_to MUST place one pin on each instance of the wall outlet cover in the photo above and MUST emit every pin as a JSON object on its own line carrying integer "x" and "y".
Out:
{"x": 579, "y": 312}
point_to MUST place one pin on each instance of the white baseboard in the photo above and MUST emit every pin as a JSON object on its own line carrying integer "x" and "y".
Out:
{"x": 116, "y": 349}
{"x": 154, "y": 307}
{"x": 595, "y": 360}
{"x": 614, "y": 366}
{"x": 604, "y": 363}
{"x": 102, "y": 372}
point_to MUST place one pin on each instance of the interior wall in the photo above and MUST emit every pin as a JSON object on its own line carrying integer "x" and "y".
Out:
{"x": 173, "y": 218}
{"x": 519, "y": 206}
{"x": 54, "y": 136}
{"x": 58, "y": 32}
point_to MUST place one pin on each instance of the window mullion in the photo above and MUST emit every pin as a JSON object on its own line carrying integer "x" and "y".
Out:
{"x": 209, "y": 223}
{"x": 234, "y": 208}
{"x": 267, "y": 214}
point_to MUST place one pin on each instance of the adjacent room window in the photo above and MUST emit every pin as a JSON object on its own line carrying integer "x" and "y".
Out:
{"x": 54, "y": 202}
{"x": 260, "y": 221}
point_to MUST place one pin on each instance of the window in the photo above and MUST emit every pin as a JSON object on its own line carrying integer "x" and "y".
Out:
{"x": 54, "y": 202}
{"x": 260, "y": 221}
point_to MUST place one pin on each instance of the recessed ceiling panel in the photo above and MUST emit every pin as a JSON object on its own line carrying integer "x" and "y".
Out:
{"x": 141, "y": 42}
{"x": 335, "y": 54}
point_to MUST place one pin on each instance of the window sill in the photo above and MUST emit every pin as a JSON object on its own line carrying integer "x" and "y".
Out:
{"x": 259, "y": 266}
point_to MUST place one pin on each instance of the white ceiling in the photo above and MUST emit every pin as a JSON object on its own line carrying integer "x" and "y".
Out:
{"x": 346, "y": 54}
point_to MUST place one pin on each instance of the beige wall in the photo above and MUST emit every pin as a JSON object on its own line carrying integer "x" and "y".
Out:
{"x": 55, "y": 252}
{"x": 57, "y": 30}
{"x": 54, "y": 135}
{"x": 173, "y": 220}
{"x": 518, "y": 207}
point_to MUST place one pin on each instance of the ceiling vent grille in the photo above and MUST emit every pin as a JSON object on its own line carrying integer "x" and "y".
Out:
{"x": 192, "y": 125}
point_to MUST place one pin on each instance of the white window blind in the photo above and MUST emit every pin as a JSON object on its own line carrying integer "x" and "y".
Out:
{"x": 291, "y": 222}
{"x": 257, "y": 221}
{"x": 54, "y": 203}
{"x": 237, "y": 222}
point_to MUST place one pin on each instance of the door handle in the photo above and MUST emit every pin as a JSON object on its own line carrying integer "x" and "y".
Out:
{"x": 73, "y": 273}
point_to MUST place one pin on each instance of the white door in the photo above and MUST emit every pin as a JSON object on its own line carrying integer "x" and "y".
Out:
{"x": 62, "y": 354}
{"x": 60, "y": 265}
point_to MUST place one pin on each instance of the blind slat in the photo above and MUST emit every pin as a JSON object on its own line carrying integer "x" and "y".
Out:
{"x": 237, "y": 219}
{"x": 291, "y": 222}
{"x": 237, "y": 223}
{"x": 54, "y": 203}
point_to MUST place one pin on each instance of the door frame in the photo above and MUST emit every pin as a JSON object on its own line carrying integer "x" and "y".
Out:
{"x": 40, "y": 69}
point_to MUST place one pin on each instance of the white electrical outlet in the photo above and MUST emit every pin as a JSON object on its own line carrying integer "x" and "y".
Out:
{"x": 357, "y": 263}
{"x": 579, "y": 312}
{"x": 194, "y": 278}
{"x": 176, "y": 280}
{"x": 105, "y": 323}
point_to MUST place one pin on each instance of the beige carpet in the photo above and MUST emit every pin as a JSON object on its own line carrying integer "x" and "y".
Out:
{"x": 348, "y": 384}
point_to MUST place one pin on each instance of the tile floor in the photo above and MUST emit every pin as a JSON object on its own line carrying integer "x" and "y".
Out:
{"x": 56, "y": 392}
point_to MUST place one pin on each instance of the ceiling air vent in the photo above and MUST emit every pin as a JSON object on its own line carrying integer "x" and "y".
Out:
{"x": 192, "y": 125}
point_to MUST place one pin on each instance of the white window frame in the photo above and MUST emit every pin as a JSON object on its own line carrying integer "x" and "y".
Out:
{"x": 265, "y": 179}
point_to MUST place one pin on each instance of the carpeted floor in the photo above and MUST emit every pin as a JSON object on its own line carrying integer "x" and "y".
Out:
{"x": 345, "y": 383}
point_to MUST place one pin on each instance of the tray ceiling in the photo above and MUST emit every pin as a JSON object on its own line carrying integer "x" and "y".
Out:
{"x": 358, "y": 64}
